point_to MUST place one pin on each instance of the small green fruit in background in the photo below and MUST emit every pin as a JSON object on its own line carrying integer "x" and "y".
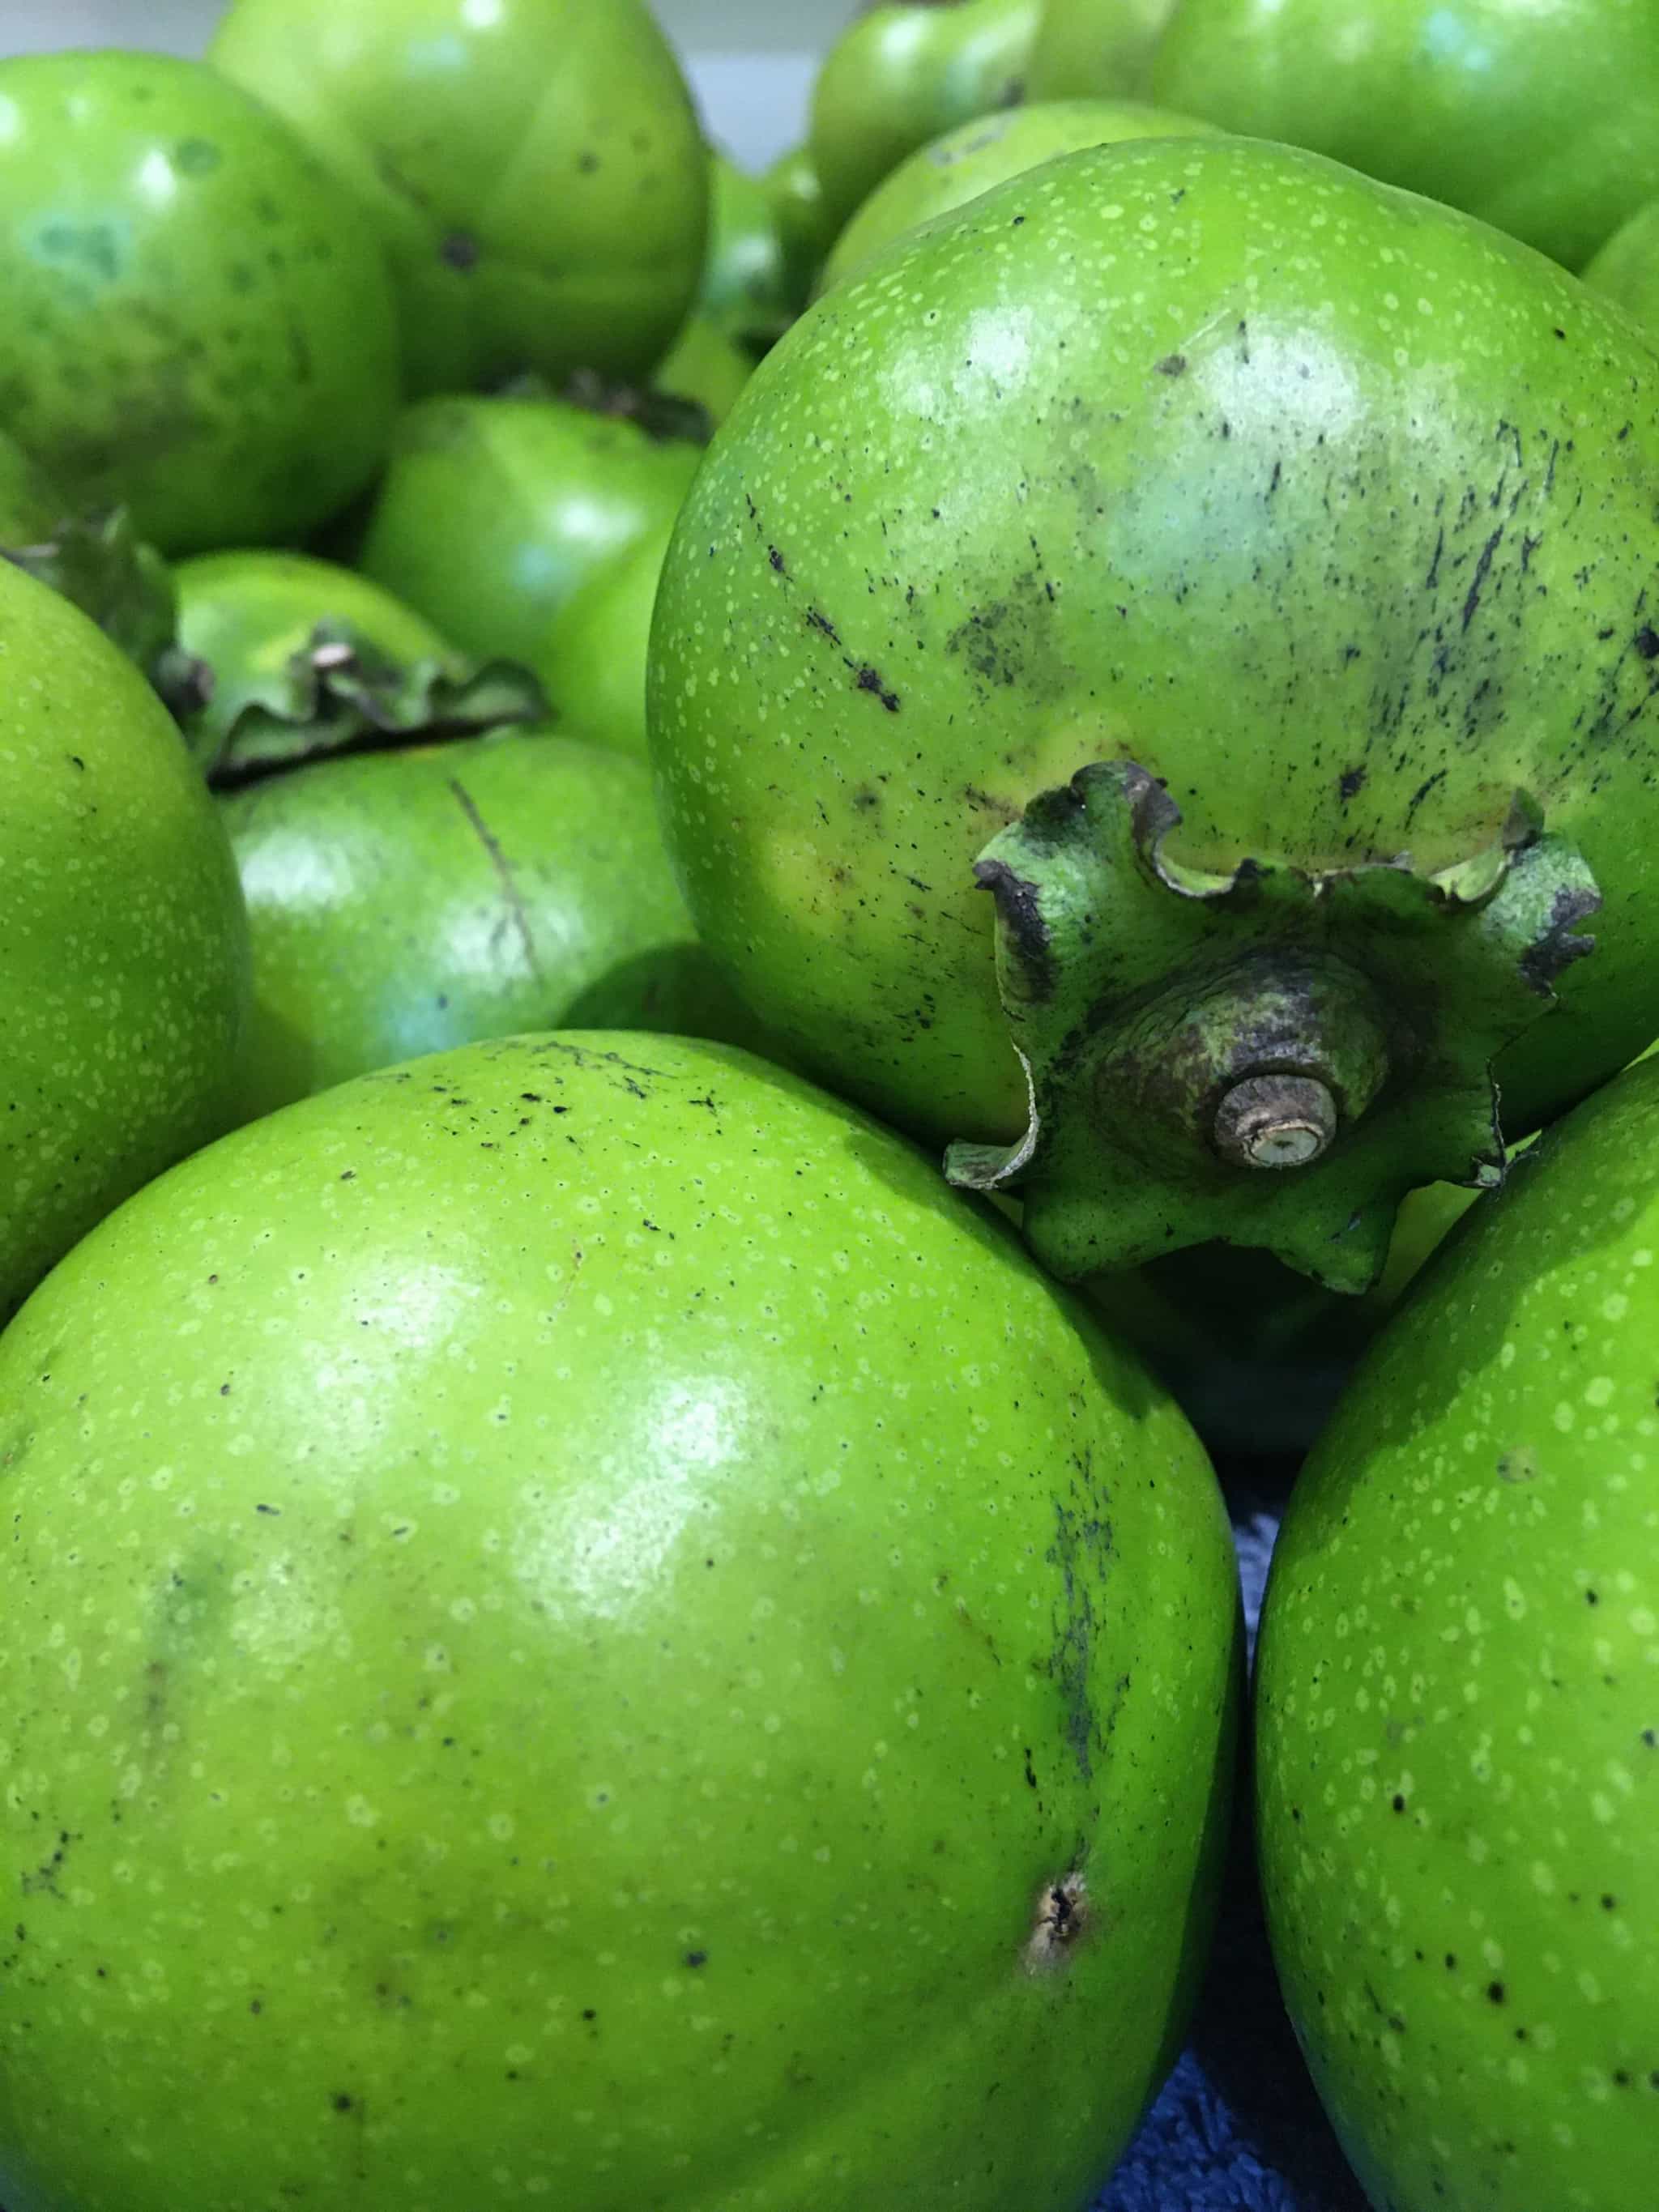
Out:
{"x": 307, "y": 659}
{"x": 642, "y": 1654}
{"x": 198, "y": 323}
{"x": 902, "y": 73}
{"x": 1538, "y": 120}
{"x": 1458, "y": 1732}
{"x": 1096, "y": 49}
{"x": 598, "y": 650}
{"x": 1627, "y": 268}
{"x": 806, "y": 228}
{"x": 495, "y": 511}
{"x": 1124, "y": 713}
{"x": 97, "y": 560}
{"x": 533, "y": 168}
{"x": 746, "y": 291}
{"x": 707, "y": 369}
{"x": 123, "y": 941}
{"x": 988, "y": 150}
{"x": 405, "y": 901}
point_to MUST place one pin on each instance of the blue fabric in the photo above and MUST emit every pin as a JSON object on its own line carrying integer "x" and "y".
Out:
{"x": 1238, "y": 2128}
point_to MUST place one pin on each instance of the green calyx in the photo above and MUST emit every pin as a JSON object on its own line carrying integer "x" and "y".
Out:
{"x": 1273, "y": 1057}
{"x": 341, "y": 693}
{"x": 100, "y": 563}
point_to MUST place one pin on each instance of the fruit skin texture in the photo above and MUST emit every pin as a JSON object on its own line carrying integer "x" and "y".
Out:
{"x": 1122, "y": 464}
{"x": 123, "y": 941}
{"x": 533, "y": 169}
{"x": 1457, "y": 1780}
{"x": 699, "y": 1592}
{"x": 901, "y": 74}
{"x": 968, "y": 161}
{"x": 493, "y": 511}
{"x": 408, "y": 901}
{"x": 199, "y": 324}
{"x": 1537, "y": 119}
{"x": 597, "y": 653}
{"x": 1627, "y": 268}
{"x": 1102, "y": 48}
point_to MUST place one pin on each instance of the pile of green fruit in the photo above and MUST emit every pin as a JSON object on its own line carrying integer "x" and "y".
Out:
{"x": 734, "y": 911}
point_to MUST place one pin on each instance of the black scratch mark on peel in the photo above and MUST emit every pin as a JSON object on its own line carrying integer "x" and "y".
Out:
{"x": 503, "y": 868}
{"x": 1422, "y": 792}
{"x": 816, "y": 621}
{"x": 1432, "y": 579}
{"x": 1483, "y": 568}
{"x": 869, "y": 679}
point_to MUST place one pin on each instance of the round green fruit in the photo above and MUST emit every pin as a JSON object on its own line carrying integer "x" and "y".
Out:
{"x": 307, "y": 659}
{"x": 988, "y": 151}
{"x": 533, "y": 169}
{"x": 1539, "y": 120}
{"x": 1627, "y": 268}
{"x": 595, "y": 659}
{"x": 123, "y": 942}
{"x": 199, "y": 324}
{"x": 1458, "y": 1737}
{"x": 406, "y": 902}
{"x": 1151, "y": 680}
{"x": 746, "y": 291}
{"x": 495, "y": 511}
{"x": 902, "y": 74}
{"x": 1096, "y": 49}
{"x": 580, "y": 1628}
{"x": 805, "y": 227}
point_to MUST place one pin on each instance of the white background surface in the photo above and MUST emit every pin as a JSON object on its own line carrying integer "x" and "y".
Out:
{"x": 750, "y": 61}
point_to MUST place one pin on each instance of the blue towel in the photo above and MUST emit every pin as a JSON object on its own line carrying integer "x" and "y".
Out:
{"x": 1238, "y": 2128}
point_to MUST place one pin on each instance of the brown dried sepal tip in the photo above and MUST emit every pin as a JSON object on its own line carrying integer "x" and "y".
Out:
{"x": 1062, "y": 1918}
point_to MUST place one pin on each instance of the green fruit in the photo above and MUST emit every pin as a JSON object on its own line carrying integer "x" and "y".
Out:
{"x": 199, "y": 325}
{"x": 988, "y": 151}
{"x": 493, "y": 511}
{"x": 706, "y": 369}
{"x": 1627, "y": 268}
{"x": 1458, "y": 1776}
{"x": 123, "y": 942}
{"x": 806, "y": 228}
{"x": 307, "y": 659}
{"x": 579, "y": 1628}
{"x": 407, "y": 902}
{"x": 1539, "y": 120}
{"x": 1096, "y": 49}
{"x": 597, "y": 650}
{"x": 1112, "y": 635}
{"x": 533, "y": 168}
{"x": 902, "y": 74}
{"x": 746, "y": 292}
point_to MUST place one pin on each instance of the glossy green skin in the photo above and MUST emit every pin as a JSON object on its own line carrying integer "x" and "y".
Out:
{"x": 899, "y": 75}
{"x": 600, "y": 1724}
{"x": 123, "y": 942}
{"x": 707, "y": 368}
{"x": 1096, "y": 48}
{"x": 409, "y": 901}
{"x": 977, "y": 524}
{"x": 1458, "y": 1782}
{"x": 1627, "y": 268}
{"x": 805, "y": 226}
{"x": 493, "y": 511}
{"x": 988, "y": 151}
{"x": 198, "y": 322}
{"x": 746, "y": 291}
{"x": 594, "y": 661}
{"x": 1539, "y": 120}
{"x": 533, "y": 168}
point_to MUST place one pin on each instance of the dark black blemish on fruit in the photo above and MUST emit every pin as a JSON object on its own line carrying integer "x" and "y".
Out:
{"x": 1496, "y": 1993}
{"x": 777, "y": 560}
{"x": 1173, "y": 364}
{"x": 342, "y": 2101}
{"x": 696, "y": 1958}
{"x": 460, "y": 250}
{"x": 1647, "y": 641}
{"x": 1352, "y": 782}
{"x": 869, "y": 679}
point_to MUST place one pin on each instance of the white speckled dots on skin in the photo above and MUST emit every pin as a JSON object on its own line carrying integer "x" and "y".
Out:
{"x": 1458, "y": 1706}
{"x": 570, "y": 1604}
